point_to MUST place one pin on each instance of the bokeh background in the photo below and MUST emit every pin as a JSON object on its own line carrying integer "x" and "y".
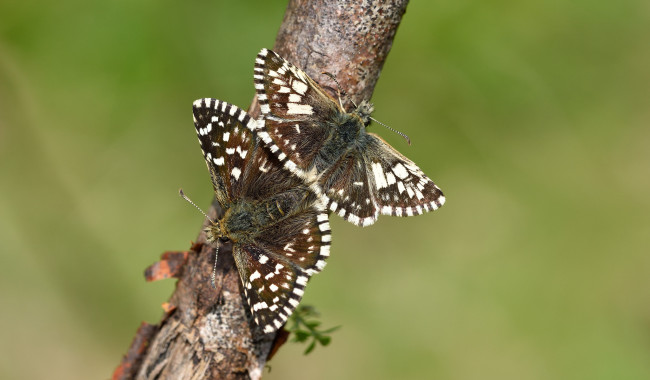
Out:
{"x": 533, "y": 117}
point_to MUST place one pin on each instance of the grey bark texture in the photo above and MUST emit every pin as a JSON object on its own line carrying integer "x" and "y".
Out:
{"x": 208, "y": 333}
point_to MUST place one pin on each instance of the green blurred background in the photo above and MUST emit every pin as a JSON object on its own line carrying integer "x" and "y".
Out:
{"x": 533, "y": 117}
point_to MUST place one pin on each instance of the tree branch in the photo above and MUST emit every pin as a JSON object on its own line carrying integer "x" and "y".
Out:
{"x": 208, "y": 333}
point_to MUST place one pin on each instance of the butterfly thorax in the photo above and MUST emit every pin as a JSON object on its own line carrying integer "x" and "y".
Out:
{"x": 344, "y": 133}
{"x": 347, "y": 129}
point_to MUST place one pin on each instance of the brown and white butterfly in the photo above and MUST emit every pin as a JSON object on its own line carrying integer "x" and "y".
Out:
{"x": 277, "y": 226}
{"x": 358, "y": 174}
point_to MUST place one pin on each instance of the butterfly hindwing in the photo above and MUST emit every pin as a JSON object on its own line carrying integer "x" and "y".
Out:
{"x": 348, "y": 190}
{"x": 401, "y": 188}
{"x": 227, "y": 144}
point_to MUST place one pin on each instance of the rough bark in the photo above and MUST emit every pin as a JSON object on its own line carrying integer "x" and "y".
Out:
{"x": 208, "y": 333}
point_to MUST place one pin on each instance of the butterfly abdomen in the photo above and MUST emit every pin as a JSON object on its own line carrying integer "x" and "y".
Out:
{"x": 285, "y": 204}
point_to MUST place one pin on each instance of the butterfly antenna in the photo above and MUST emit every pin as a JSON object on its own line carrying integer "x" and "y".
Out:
{"x": 341, "y": 92}
{"x": 214, "y": 269}
{"x": 408, "y": 140}
{"x": 194, "y": 204}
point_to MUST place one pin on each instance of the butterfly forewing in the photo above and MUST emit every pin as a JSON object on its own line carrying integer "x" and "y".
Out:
{"x": 269, "y": 283}
{"x": 224, "y": 132}
{"x": 293, "y": 106}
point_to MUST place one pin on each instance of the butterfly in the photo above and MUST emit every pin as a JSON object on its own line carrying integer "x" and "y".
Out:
{"x": 277, "y": 226}
{"x": 358, "y": 174}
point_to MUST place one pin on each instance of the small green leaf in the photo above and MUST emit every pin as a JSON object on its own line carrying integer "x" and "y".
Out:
{"x": 331, "y": 330}
{"x": 303, "y": 326}
{"x": 310, "y": 348}
{"x": 324, "y": 340}
{"x": 301, "y": 335}
{"x": 312, "y": 324}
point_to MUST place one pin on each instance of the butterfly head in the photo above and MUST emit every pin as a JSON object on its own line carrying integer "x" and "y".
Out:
{"x": 238, "y": 224}
{"x": 364, "y": 110}
{"x": 214, "y": 231}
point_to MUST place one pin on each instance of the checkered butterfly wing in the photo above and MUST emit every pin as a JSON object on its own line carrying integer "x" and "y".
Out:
{"x": 348, "y": 189}
{"x": 399, "y": 187}
{"x": 294, "y": 108}
{"x": 378, "y": 179}
{"x": 227, "y": 143}
{"x": 276, "y": 268}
